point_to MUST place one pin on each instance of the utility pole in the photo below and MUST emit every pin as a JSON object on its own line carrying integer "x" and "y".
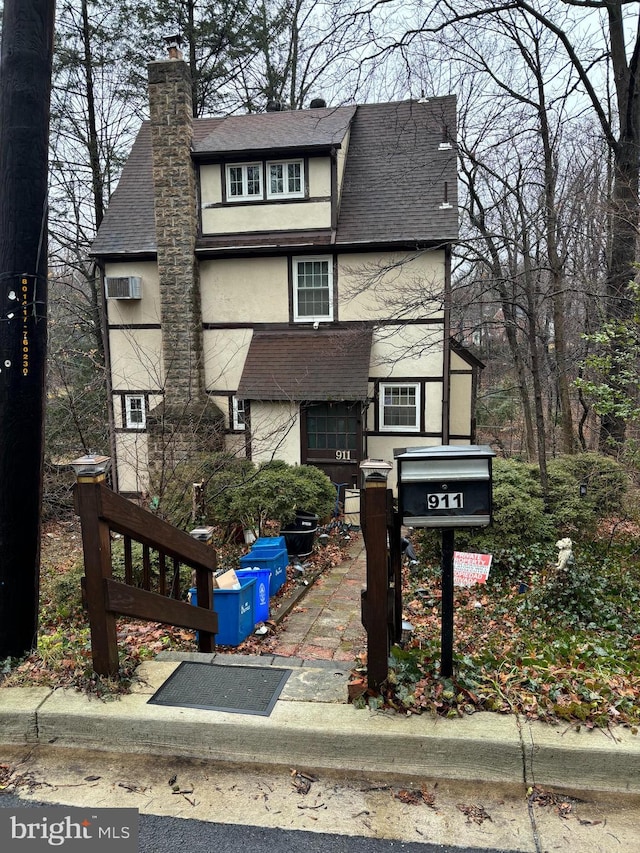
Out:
{"x": 25, "y": 88}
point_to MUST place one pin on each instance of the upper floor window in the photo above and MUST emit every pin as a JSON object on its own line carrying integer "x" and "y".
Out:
{"x": 244, "y": 182}
{"x": 134, "y": 411}
{"x": 312, "y": 289}
{"x": 400, "y": 406}
{"x": 286, "y": 179}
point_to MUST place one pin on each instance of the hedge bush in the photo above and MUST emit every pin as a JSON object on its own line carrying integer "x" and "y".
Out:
{"x": 273, "y": 491}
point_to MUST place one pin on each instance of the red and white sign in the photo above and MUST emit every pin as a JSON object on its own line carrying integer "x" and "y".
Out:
{"x": 469, "y": 569}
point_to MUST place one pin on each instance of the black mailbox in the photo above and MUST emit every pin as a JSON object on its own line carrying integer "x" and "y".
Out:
{"x": 446, "y": 486}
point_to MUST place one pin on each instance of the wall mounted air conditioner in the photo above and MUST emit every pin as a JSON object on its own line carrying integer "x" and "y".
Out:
{"x": 124, "y": 287}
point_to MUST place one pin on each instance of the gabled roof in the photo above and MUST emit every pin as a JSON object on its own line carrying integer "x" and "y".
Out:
{"x": 397, "y": 165}
{"x": 307, "y": 364}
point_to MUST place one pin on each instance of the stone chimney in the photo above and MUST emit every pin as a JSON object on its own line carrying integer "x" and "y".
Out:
{"x": 186, "y": 420}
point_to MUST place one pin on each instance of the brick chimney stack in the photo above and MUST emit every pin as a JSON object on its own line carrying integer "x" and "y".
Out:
{"x": 186, "y": 410}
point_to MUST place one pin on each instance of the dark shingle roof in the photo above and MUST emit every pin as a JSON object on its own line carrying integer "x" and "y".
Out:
{"x": 396, "y": 171}
{"x": 291, "y": 129}
{"x": 394, "y": 181}
{"x": 307, "y": 364}
{"x": 128, "y": 225}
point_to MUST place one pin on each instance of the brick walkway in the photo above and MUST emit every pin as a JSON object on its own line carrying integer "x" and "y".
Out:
{"x": 326, "y": 624}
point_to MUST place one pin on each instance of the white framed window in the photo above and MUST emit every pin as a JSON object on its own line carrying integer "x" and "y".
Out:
{"x": 244, "y": 182}
{"x": 285, "y": 179}
{"x": 239, "y": 414}
{"x": 399, "y": 404}
{"x": 312, "y": 289}
{"x": 135, "y": 411}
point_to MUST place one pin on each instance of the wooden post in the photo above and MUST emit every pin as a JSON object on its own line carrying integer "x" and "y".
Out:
{"x": 377, "y": 594}
{"x": 204, "y": 586}
{"x": 96, "y": 545}
{"x": 446, "y": 637}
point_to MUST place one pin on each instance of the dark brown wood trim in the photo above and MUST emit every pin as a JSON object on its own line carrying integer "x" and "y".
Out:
{"x": 142, "y": 604}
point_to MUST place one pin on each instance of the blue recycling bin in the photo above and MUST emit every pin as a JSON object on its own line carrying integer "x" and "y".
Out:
{"x": 261, "y": 590}
{"x": 273, "y": 560}
{"x": 235, "y": 609}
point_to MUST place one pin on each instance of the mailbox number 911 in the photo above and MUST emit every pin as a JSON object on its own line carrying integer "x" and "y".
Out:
{"x": 445, "y": 500}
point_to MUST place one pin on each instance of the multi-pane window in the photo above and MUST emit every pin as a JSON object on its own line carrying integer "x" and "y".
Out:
{"x": 285, "y": 179}
{"x": 135, "y": 413}
{"x": 400, "y": 407}
{"x": 313, "y": 289}
{"x": 244, "y": 182}
{"x": 332, "y": 426}
{"x": 239, "y": 414}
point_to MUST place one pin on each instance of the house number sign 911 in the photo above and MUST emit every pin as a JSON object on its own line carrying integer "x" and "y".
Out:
{"x": 445, "y": 500}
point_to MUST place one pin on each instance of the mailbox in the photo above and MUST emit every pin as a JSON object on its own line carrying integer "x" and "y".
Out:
{"x": 446, "y": 486}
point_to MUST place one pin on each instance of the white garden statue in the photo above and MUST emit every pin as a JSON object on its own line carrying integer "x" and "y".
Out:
{"x": 565, "y": 554}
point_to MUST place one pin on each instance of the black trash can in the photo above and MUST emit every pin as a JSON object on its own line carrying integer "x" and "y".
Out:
{"x": 299, "y": 534}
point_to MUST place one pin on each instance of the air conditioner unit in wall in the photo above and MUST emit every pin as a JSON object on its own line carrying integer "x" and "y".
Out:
{"x": 124, "y": 287}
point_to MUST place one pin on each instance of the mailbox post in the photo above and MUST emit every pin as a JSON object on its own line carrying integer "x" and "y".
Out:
{"x": 445, "y": 487}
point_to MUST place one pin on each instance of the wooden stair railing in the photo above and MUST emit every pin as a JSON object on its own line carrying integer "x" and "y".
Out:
{"x": 103, "y": 512}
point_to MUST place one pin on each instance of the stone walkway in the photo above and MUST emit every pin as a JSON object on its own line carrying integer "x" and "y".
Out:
{"x": 326, "y": 624}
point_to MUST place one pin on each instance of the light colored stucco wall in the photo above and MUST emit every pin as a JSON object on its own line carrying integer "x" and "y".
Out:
{"x": 225, "y": 351}
{"x": 145, "y": 310}
{"x": 433, "y": 406}
{"x": 136, "y": 361}
{"x": 211, "y": 184}
{"x": 319, "y": 177}
{"x": 275, "y": 432}
{"x": 407, "y": 350}
{"x": 245, "y": 290}
{"x": 460, "y": 417}
{"x": 266, "y": 217}
{"x": 131, "y": 452}
{"x": 376, "y": 284}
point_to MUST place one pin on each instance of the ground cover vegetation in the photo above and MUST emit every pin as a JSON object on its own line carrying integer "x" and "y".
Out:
{"x": 552, "y": 644}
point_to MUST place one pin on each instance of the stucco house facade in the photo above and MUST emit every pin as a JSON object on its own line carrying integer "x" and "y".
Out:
{"x": 277, "y": 285}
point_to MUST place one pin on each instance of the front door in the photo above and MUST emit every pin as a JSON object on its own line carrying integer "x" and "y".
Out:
{"x": 332, "y": 440}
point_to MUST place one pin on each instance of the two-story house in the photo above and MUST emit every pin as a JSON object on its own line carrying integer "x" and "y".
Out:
{"x": 277, "y": 285}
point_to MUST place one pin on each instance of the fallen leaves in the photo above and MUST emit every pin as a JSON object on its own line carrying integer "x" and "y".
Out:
{"x": 302, "y": 781}
{"x": 413, "y": 797}
{"x": 474, "y": 813}
{"x": 562, "y": 804}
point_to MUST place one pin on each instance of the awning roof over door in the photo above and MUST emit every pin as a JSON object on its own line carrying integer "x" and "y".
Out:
{"x": 307, "y": 364}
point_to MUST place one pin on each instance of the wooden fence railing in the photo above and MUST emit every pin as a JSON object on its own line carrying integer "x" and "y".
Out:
{"x": 103, "y": 512}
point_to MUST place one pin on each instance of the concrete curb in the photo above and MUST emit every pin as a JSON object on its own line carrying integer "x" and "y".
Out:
{"x": 313, "y": 726}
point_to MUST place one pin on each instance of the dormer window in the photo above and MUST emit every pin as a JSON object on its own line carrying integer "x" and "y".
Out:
{"x": 244, "y": 182}
{"x": 285, "y": 179}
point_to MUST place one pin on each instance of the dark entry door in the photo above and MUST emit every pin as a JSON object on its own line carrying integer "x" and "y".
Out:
{"x": 332, "y": 440}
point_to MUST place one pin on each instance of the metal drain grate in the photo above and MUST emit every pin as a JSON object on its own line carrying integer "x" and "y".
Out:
{"x": 218, "y": 687}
